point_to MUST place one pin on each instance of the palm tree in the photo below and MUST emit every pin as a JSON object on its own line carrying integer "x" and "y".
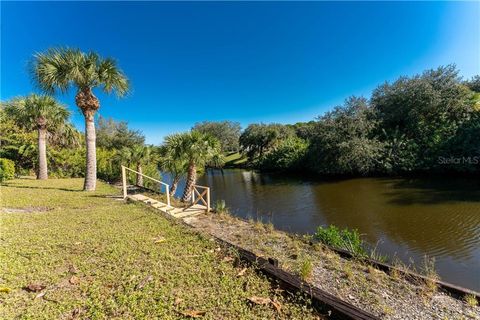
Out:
{"x": 47, "y": 116}
{"x": 61, "y": 68}
{"x": 140, "y": 155}
{"x": 177, "y": 168}
{"x": 196, "y": 149}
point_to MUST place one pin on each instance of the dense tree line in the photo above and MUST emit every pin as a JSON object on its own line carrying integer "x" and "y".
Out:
{"x": 428, "y": 122}
{"x": 65, "y": 145}
{"x": 425, "y": 123}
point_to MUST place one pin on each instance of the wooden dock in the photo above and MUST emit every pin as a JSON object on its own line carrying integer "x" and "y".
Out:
{"x": 187, "y": 212}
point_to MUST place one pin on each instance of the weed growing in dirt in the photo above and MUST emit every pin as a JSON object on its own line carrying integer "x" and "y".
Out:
{"x": 306, "y": 269}
{"x": 471, "y": 300}
{"x": 343, "y": 239}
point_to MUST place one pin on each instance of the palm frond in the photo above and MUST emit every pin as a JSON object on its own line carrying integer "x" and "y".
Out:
{"x": 58, "y": 69}
{"x": 112, "y": 78}
{"x": 27, "y": 110}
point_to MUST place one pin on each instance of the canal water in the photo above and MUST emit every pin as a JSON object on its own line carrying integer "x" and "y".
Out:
{"x": 407, "y": 218}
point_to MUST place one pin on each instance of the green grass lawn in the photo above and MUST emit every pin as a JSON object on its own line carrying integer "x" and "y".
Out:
{"x": 235, "y": 160}
{"x": 101, "y": 258}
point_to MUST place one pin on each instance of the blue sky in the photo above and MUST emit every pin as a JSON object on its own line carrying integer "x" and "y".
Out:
{"x": 244, "y": 61}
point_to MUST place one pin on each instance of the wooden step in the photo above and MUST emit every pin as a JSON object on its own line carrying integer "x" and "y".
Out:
{"x": 185, "y": 214}
{"x": 173, "y": 211}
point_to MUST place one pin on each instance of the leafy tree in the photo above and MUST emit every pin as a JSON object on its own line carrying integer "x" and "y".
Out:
{"x": 16, "y": 143}
{"x": 399, "y": 154}
{"x": 194, "y": 148}
{"x": 425, "y": 110}
{"x": 343, "y": 142}
{"x": 474, "y": 83}
{"x": 259, "y": 139}
{"x": 464, "y": 146}
{"x": 288, "y": 156}
{"x": 116, "y": 135}
{"x": 227, "y": 132}
{"x": 46, "y": 116}
{"x": 62, "y": 68}
{"x": 304, "y": 130}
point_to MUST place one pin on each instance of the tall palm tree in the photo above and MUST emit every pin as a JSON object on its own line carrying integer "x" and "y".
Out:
{"x": 61, "y": 68}
{"x": 196, "y": 149}
{"x": 44, "y": 114}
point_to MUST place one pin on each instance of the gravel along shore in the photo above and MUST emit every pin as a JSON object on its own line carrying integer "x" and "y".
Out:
{"x": 389, "y": 296}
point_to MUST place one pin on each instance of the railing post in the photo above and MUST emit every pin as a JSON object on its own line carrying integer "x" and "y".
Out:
{"x": 168, "y": 194}
{"x": 193, "y": 194}
{"x": 208, "y": 199}
{"x": 124, "y": 182}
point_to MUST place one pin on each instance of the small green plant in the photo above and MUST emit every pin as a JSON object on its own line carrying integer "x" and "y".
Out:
{"x": 258, "y": 225}
{"x": 269, "y": 227}
{"x": 348, "y": 272}
{"x": 428, "y": 270}
{"x": 471, "y": 300}
{"x": 220, "y": 207}
{"x": 377, "y": 256}
{"x": 7, "y": 169}
{"x": 306, "y": 268}
{"x": 343, "y": 239}
{"x": 387, "y": 310}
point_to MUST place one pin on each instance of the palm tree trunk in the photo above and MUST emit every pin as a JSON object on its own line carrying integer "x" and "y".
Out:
{"x": 174, "y": 185}
{"x": 42, "y": 173}
{"x": 91, "y": 168}
{"x": 191, "y": 179}
{"x": 89, "y": 104}
{"x": 139, "y": 176}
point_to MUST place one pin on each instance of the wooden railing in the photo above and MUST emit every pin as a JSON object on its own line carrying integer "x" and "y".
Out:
{"x": 203, "y": 197}
{"x": 124, "y": 183}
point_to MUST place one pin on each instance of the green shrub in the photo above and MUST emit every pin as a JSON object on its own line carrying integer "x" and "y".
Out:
{"x": 343, "y": 239}
{"x": 220, "y": 206}
{"x": 287, "y": 156}
{"x": 66, "y": 162}
{"x": 306, "y": 269}
{"x": 7, "y": 169}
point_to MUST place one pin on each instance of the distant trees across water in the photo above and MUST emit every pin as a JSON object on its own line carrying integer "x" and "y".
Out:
{"x": 425, "y": 123}
{"x": 421, "y": 124}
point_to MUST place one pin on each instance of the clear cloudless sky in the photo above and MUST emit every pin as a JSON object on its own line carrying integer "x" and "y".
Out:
{"x": 243, "y": 61}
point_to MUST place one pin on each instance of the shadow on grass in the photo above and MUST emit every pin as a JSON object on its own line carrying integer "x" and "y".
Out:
{"x": 30, "y": 187}
{"x": 106, "y": 196}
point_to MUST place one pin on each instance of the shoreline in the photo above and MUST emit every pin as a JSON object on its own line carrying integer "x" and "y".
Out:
{"x": 403, "y": 219}
{"x": 395, "y": 294}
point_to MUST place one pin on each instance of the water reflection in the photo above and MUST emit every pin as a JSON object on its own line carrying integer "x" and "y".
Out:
{"x": 406, "y": 217}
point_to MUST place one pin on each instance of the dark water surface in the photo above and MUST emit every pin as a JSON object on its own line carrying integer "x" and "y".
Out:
{"x": 409, "y": 218}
